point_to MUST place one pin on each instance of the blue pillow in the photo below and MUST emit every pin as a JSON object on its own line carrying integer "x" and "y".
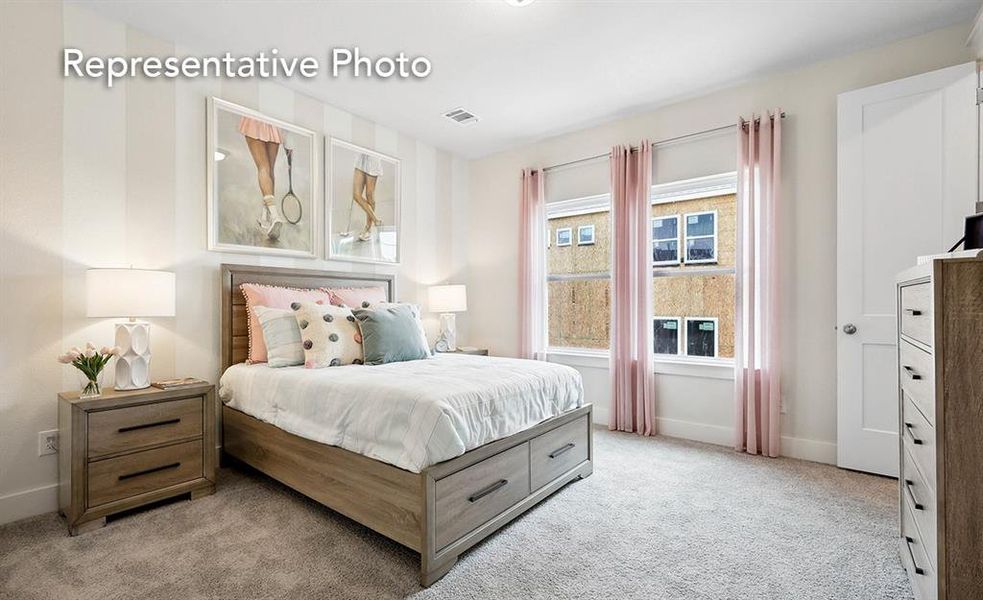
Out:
{"x": 391, "y": 333}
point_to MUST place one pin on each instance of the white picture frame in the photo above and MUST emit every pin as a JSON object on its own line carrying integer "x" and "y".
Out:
{"x": 346, "y": 220}
{"x": 234, "y": 198}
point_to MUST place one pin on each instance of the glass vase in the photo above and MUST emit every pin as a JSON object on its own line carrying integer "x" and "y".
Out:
{"x": 90, "y": 388}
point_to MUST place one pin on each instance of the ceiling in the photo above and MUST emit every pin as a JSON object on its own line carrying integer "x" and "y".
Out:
{"x": 541, "y": 70}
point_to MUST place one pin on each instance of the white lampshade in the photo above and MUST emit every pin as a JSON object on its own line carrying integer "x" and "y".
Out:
{"x": 129, "y": 293}
{"x": 448, "y": 298}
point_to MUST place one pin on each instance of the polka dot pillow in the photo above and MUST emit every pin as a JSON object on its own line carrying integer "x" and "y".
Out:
{"x": 329, "y": 335}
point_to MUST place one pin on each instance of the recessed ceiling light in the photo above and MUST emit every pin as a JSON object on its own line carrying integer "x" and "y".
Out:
{"x": 519, "y": 3}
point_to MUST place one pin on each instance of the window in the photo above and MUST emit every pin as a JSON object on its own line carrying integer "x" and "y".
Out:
{"x": 563, "y": 236}
{"x": 701, "y": 237}
{"x": 585, "y": 235}
{"x": 696, "y": 285}
{"x": 701, "y": 337}
{"x": 579, "y": 282}
{"x": 665, "y": 332}
{"x": 665, "y": 240}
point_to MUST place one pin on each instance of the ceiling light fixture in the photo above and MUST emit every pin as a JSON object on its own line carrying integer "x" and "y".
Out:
{"x": 519, "y": 3}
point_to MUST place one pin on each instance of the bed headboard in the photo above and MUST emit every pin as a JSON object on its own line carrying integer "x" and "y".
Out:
{"x": 235, "y": 333}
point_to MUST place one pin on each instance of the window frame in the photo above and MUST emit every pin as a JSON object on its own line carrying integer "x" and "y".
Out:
{"x": 582, "y": 228}
{"x": 687, "y": 237}
{"x": 679, "y": 256}
{"x": 569, "y": 230}
{"x": 716, "y": 338}
{"x": 679, "y": 335}
{"x": 662, "y": 193}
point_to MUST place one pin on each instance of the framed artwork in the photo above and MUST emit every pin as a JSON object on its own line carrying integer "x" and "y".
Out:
{"x": 363, "y": 208}
{"x": 262, "y": 183}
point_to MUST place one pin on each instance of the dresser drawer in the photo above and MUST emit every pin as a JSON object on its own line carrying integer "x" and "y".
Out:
{"x": 469, "y": 498}
{"x": 134, "y": 427}
{"x": 917, "y": 375}
{"x": 920, "y": 497}
{"x": 916, "y": 312}
{"x": 556, "y": 452}
{"x": 922, "y": 570}
{"x": 133, "y": 474}
{"x": 919, "y": 438}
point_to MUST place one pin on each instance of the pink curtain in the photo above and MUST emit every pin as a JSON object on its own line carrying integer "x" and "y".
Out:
{"x": 756, "y": 324}
{"x": 532, "y": 266}
{"x": 632, "y": 368}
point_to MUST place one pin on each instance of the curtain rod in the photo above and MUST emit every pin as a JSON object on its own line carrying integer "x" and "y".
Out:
{"x": 654, "y": 145}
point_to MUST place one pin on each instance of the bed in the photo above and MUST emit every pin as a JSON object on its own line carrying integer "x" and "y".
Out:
{"x": 500, "y": 435}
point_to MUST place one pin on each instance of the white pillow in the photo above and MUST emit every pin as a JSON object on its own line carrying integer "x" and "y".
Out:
{"x": 281, "y": 336}
{"x": 329, "y": 335}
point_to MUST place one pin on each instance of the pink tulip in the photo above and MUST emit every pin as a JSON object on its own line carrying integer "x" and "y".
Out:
{"x": 74, "y": 354}
{"x": 116, "y": 350}
{"x": 106, "y": 350}
{"x": 65, "y": 359}
{"x": 89, "y": 352}
{"x": 90, "y": 346}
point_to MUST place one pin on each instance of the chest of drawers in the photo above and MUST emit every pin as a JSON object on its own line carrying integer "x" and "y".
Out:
{"x": 940, "y": 393}
{"x": 125, "y": 449}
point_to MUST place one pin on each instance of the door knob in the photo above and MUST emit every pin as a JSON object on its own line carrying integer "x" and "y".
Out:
{"x": 849, "y": 329}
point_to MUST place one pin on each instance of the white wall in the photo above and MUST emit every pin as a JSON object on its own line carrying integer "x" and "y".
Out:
{"x": 95, "y": 177}
{"x": 699, "y": 405}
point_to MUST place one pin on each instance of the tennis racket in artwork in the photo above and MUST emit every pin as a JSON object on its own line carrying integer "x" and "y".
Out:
{"x": 290, "y": 206}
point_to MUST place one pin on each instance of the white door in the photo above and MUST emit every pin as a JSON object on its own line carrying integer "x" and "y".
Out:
{"x": 907, "y": 159}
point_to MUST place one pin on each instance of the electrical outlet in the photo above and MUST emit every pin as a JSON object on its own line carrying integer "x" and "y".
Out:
{"x": 47, "y": 442}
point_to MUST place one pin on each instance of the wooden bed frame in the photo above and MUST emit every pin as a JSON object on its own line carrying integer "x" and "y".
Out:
{"x": 440, "y": 512}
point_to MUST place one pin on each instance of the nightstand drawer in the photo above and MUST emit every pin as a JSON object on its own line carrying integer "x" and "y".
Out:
{"x": 917, "y": 375}
{"x": 135, "y": 427}
{"x": 134, "y": 474}
{"x": 916, "y": 312}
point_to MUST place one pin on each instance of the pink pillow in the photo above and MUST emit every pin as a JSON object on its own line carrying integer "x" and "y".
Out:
{"x": 272, "y": 296}
{"x": 356, "y": 297}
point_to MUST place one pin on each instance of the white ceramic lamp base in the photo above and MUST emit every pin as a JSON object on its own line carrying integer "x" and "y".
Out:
{"x": 448, "y": 332}
{"x": 133, "y": 362}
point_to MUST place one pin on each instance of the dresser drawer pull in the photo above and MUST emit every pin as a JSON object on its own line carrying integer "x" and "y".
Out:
{"x": 562, "y": 450}
{"x": 913, "y": 312}
{"x": 909, "y": 542}
{"x": 149, "y": 471}
{"x": 488, "y": 490}
{"x": 908, "y": 427}
{"x": 146, "y": 425}
{"x": 908, "y": 484}
{"x": 911, "y": 372}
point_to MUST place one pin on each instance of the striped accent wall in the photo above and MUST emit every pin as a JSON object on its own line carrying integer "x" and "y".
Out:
{"x": 93, "y": 177}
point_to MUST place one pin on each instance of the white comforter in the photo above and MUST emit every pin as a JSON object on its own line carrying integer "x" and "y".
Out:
{"x": 410, "y": 414}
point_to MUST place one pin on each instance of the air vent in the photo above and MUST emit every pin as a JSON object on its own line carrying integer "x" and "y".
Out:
{"x": 461, "y": 116}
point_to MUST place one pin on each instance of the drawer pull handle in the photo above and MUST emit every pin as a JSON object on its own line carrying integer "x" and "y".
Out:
{"x": 913, "y": 312}
{"x": 488, "y": 490}
{"x": 909, "y": 542}
{"x": 562, "y": 450}
{"x": 908, "y": 484}
{"x": 149, "y": 471}
{"x": 908, "y": 427}
{"x": 146, "y": 425}
{"x": 911, "y": 372}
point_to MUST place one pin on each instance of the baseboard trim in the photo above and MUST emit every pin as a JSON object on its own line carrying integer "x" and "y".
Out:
{"x": 697, "y": 432}
{"x": 800, "y": 448}
{"x": 28, "y": 503}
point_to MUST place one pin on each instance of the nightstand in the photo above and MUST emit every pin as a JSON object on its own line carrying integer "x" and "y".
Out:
{"x": 476, "y": 352}
{"x": 126, "y": 449}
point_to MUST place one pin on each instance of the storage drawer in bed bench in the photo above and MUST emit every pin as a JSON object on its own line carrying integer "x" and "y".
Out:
{"x": 474, "y": 495}
{"x": 555, "y": 452}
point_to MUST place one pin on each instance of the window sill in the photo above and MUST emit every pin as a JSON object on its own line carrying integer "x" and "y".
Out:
{"x": 710, "y": 368}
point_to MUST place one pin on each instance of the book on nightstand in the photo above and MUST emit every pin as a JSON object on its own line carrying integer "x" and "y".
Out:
{"x": 178, "y": 383}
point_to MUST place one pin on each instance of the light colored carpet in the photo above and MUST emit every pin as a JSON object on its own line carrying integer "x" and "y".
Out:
{"x": 660, "y": 518}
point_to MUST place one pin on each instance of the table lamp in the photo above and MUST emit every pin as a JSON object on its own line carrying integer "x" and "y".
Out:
{"x": 130, "y": 293}
{"x": 447, "y": 300}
